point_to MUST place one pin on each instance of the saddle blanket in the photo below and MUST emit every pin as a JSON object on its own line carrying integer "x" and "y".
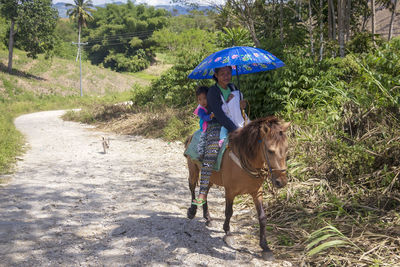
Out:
{"x": 192, "y": 152}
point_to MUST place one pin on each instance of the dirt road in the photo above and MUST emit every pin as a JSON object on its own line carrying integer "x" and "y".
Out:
{"x": 69, "y": 204}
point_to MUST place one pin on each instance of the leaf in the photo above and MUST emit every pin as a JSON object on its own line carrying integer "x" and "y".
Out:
{"x": 330, "y": 244}
{"x": 317, "y": 240}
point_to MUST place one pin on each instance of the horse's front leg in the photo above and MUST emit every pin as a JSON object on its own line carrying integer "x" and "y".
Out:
{"x": 266, "y": 253}
{"x": 206, "y": 213}
{"x": 228, "y": 238}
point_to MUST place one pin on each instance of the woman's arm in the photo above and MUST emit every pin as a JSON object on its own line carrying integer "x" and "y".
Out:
{"x": 215, "y": 105}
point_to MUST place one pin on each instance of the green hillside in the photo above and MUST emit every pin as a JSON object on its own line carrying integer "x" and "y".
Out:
{"x": 61, "y": 76}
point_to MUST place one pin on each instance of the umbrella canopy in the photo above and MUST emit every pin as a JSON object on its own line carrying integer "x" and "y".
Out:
{"x": 243, "y": 59}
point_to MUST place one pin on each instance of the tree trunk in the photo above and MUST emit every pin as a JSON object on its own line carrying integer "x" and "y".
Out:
{"x": 281, "y": 21}
{"x": 373, "y": 20}
{"x": 11, "y": 46}
{"x": 341, "y": 9}
{"x": 365, "y": 17}
{"x": 321, "y": 29}
{"x": 330, "y": 32}
{"x": 392, "y": 20}
{"x": 300, "y": 16}
{"x": 310, "y": 29}
{"x": 333, "y": 20}
{"x": 253, "y": 33}
{"x": 348, "y": 18}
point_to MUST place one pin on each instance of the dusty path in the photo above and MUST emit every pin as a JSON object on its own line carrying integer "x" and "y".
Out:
{"x": 68, "y": 204}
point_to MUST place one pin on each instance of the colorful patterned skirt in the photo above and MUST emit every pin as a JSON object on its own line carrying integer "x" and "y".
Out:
{"x": 210, "y": 155}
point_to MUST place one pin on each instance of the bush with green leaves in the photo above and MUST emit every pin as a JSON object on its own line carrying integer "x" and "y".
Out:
{"x": 119, "y": 35}
{"x": 121, "y": 62}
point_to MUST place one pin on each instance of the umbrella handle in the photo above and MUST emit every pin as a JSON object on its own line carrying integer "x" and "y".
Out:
{"x": 244, "y": 114}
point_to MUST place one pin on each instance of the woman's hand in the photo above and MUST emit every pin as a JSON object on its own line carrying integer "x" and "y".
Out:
{"x": 212, "y": 115}
{"x": 243, "y": 104}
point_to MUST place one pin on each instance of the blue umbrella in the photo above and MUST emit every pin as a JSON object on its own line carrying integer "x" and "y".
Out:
{"x": 243, "y": 59}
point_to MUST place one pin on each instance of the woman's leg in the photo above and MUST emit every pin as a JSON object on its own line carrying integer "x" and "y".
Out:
{"x": 210, "y": 157}
{"x": 201, "y": 145}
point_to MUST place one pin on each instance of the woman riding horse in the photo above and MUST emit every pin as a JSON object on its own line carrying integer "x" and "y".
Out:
{"x": 223, "y": 77}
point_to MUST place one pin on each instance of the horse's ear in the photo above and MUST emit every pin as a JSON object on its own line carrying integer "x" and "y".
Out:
{"x": 285, "y": 126}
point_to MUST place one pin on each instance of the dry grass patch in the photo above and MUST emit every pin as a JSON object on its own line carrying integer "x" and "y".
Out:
{"x": 351, "y": 233}
{"x": 166, "y": 123}
{"x": 148, "y": 124}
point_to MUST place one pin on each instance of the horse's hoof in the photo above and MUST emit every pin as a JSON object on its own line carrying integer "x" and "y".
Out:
{"x": 229, "y": 240}
{"x": 191, "y": 213}
{"x": 210, "y": 223}
{"x": 268, "y": 256}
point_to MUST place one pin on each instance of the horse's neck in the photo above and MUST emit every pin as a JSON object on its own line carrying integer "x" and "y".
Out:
{"x": 257, "y": 162}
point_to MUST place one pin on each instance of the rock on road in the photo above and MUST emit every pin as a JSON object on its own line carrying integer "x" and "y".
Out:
{"x": 69, "y": 204}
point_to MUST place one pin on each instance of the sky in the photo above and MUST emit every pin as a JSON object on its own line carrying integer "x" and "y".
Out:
{"x": 149, "y": 2}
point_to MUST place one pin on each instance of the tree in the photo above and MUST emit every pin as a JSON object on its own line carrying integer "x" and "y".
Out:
{"x": 32, "y": 24}
{"x": 391, "y": 5}
{"x": 311, "y": 28}
{"x": 393, "y": 9}
{"x": 321, "y": 29}
{"x": 245, "y": 11}
{"x": 119, "y": 35}
{"x": 80, "y": 12}
{"x": 281, "y": 20}
{"x": 9, "y": 9}
{"x": 234, "y": 37}
{"x": 373, "y": 19}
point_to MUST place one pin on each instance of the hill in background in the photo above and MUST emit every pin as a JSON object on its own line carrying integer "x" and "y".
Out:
{"x": 175, "y": 10}
{"x": 61, "y": 76}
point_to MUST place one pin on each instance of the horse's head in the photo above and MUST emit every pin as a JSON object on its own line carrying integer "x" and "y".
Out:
{"x": 275, "y": 146}
{"x": 263, "y": 144}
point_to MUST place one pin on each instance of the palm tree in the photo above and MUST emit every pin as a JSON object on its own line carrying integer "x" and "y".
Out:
{"x": 80, "y": 11}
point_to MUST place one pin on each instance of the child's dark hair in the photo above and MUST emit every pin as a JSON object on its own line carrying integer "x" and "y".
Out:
{"x": 201, "y": 90}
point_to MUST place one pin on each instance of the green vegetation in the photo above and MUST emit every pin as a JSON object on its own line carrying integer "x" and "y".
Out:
{"x": 118, "y": 36}
{"x": 339, "y": 89}
{"x": 32, "y": 25}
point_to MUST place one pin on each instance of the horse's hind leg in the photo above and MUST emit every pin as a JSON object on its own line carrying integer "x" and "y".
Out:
{"x": 193, "y": 178}
{"x": 258, "y": 201}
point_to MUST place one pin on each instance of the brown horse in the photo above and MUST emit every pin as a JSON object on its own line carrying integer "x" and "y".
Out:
{"x": 253, "y": 152}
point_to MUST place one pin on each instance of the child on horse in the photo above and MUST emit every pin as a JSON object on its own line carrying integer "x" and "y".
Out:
{"x": 205, "y": 117}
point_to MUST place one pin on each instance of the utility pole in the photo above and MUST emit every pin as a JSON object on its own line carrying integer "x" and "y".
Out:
{"x": 79, "y": 54}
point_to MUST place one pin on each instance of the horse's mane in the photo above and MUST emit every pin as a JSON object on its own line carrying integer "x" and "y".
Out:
{"x": 246, "y": 140}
